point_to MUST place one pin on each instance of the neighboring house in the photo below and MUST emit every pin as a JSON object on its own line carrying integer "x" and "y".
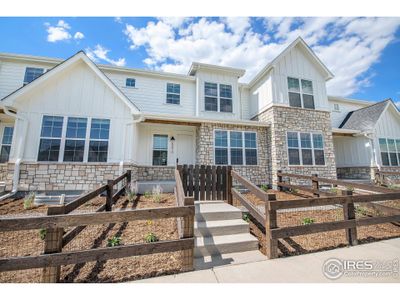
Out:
{"x": 72, "y": 124}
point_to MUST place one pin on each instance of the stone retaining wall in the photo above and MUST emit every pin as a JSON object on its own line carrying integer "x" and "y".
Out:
{"x": 355, "y": 173}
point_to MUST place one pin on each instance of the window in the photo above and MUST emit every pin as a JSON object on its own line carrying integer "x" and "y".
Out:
{"x": 336, "y": 107}
{"x": 390, "y": 151}
{"x": 235, "y": 147}
{"x": 173, "y": 93}
{"x": 305, "y": 148}
{"x": 218, "y": 97}
{"x": 130, "y": 82}
{"x": 75, "y": 139}
{"x": 98, "y": 144}
{"x": 50, "y": 138}
{"x": 160, "y": 150}
{"x": 6, "y": 144}
{"x": 31, "y": 74}
{"x": 300, "y": 95}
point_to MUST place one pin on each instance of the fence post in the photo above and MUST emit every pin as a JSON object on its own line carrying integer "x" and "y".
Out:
{"x": 350, "y": 214}
{"x": 270, "y": 223}
{"x": 315, "y": 184}
{"x": 53, "y": 244}
{"x": 128, "y": 178}
{"x": 188, "y": 232}
{"x": 280, "y": 180}
{"x": 229, "y": 184}
{"x": 109, "y": 196}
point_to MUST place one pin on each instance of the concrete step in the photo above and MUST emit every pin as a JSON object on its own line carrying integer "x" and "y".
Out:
{"x": 221, "y": 227}
{"x": 217, "y": 245}
{"x": 236, "y": 258}
{"x": 216, "y": 211}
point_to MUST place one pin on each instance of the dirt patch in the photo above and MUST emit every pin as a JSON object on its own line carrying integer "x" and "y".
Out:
{"x": 29, "y": 243}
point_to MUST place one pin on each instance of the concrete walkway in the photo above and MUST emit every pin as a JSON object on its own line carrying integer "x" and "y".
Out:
{"x": 303, "y": 268}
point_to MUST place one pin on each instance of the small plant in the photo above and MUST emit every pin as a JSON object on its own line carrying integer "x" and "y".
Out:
{"x": 350, "y": 188}
{"x": 149, "y": 222}
{"x": 307, "y": 221}
{"x": 294, "y": 191}
{"x": 130, "y": 193}
{"x": 42, "y": 233}
{"x": 29, "y": 200}
{"x": 157, "y": 190}
{"x": 334, "y": 190}
{"x": 264, "y": 187}
{"x": 114, "y": 241}
{"x": 361, "y": 211}
{"x": 147, "y": 194}
{"x": 151, "y": 238}
{"x": 246, "y": 217}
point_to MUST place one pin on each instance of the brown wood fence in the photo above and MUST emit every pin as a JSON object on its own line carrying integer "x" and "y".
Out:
{"x": 59, "y": 218}
{"x": 349, "y": 224}
{"x": 206, "y": 182}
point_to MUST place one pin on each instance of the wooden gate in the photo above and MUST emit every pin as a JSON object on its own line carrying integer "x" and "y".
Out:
{"x": 206, "y": 182}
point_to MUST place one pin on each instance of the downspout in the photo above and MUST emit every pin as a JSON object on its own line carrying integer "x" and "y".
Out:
{"x": 373, "y": 150}
{"x": 20, "y": 152}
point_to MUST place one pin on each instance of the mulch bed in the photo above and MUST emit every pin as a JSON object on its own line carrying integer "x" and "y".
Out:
{"x": 96, "y": 236}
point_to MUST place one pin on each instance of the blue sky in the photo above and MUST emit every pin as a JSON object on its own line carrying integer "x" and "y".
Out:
{"x": 363, "y": 53}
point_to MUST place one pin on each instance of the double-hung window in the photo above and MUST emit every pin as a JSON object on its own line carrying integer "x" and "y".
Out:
{"x": 301, "y": 93}
{"x": 50, "y": 138}
{"x": 6, "y": 144}
{"x": 390, "y": 151}
{"x": 305, "y": 148}
{"x": 173, "y": 93}
{"x": 31, "y": 74}
{"x": 235, "y": 147}
{"x": 160, "y": 150}
{"x": 98, "y": 144}
{"x": 218, "y": 97}
{"x": 75, "y": 139}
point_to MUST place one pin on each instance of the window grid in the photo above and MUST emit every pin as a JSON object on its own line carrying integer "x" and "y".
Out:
{"x": 305, "y": 149}
{"x": 236, "y": 148}
{"x": 390, "y": 151}
{"x": 218, "y": 97}
{"x": 31, "y": 74}
{"x": 74, "y": 147}
{"x": 6, "y": 144}
{"x": 173, "y": 93}
{"x": 50, "y": 138}
{"x": 130, "y": 82}
{"x": 160, "y": 150}
{"x": 301, "y": 93}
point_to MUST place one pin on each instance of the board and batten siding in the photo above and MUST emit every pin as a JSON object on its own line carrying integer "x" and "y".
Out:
{"x": 296, "y": 64}
{"x": 76, "y": 92}
{"x": 352, "y": 151}
{"x": 261, "y": 95}
{"x": 150, "y": 93}
{"x": 337, "y": 117}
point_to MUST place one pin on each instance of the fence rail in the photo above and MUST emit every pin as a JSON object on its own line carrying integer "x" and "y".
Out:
{"x": 381, "y": 177}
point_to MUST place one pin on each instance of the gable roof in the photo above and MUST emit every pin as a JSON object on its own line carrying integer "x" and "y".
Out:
{"x": 309, "y": 51}
{"x": 365, "y": 118}
{"x": 79, "y": 56}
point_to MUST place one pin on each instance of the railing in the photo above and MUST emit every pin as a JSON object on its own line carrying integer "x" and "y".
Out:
{"x": 206, "y": 182}
{"x": 349, "y": 223}
{"x": 315, "y": 183}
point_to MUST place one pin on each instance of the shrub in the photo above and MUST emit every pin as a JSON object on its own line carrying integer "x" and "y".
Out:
{"x": 42, "y": 233}
{"x": 264, "y": 187}
{"x": 147, "y": 194}
{"x": 157, "y": 190}
{"x": 29, "y": 201}
{"x": 350, "y": 188}
{"x": 246, "y": 217}
{"x": 294, "y": 191}
{"x": 307, "y": 221}
{"x": 114, "y": 241}
{"x": 151, "y": 238}
{"x": 334, "y": 190}
{"x": 130, "y": 193}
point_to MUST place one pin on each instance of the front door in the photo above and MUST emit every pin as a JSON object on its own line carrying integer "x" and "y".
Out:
{"x": 185, "y": 149}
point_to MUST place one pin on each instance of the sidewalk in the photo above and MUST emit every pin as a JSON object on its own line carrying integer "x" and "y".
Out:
{"x": 304, "y": 268}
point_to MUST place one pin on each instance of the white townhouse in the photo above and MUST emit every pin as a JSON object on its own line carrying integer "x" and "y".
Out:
{"x": 71, "y": 124}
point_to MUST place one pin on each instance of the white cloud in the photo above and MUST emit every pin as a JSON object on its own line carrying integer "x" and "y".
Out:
{"x": 60, "y": 32}
{"x": 348, "y": 46}
{"x": 78, "y": 35}
{"x": 118, "y": 20}
{"x": 100, "y": 53}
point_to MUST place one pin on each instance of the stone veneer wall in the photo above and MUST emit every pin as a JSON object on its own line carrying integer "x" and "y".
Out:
{"x": 155, "y": 173}
{"x": 205, "y": 150}
{"x": 3, "y": 172}
{"x": 355, "y": 173}
{"x": 283, "y": 119}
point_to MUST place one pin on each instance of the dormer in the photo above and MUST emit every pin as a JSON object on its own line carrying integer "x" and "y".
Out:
{"x": 217, "y": 91}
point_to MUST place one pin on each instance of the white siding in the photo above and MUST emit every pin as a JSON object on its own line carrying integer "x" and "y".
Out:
{"x": 150, "y": 93}
{"x": 352, "y": 151}
{"x": 261, "y": 95}
{"x": 12, "y": 75}
{"x": 75, "y": 92}
{"x": 245, "y": 103}
{"x": 297, "y": 64}
{"x": 145, "y": 148}
{"x": 337, "y": 117}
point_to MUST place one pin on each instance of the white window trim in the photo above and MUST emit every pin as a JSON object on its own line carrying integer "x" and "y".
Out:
{"x": 388, "y": 151}
{"x": 229, "y": 147}
{"x": 166, "y": 94}
{"x": 63, "y": 138}
{"x": 301, "y": 91}
{"x": 300, "y": 148}
{"x": 218, "y": 98}
{"x": 2, "y": 137}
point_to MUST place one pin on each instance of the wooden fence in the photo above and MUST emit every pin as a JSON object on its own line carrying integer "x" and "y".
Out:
{"x": 381, "y": 177}
{"x": 315, "y": 184}
{"x": 59, "y": 218}
{"x": 206, "y": 182}
{"x": 349, "y": 223}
